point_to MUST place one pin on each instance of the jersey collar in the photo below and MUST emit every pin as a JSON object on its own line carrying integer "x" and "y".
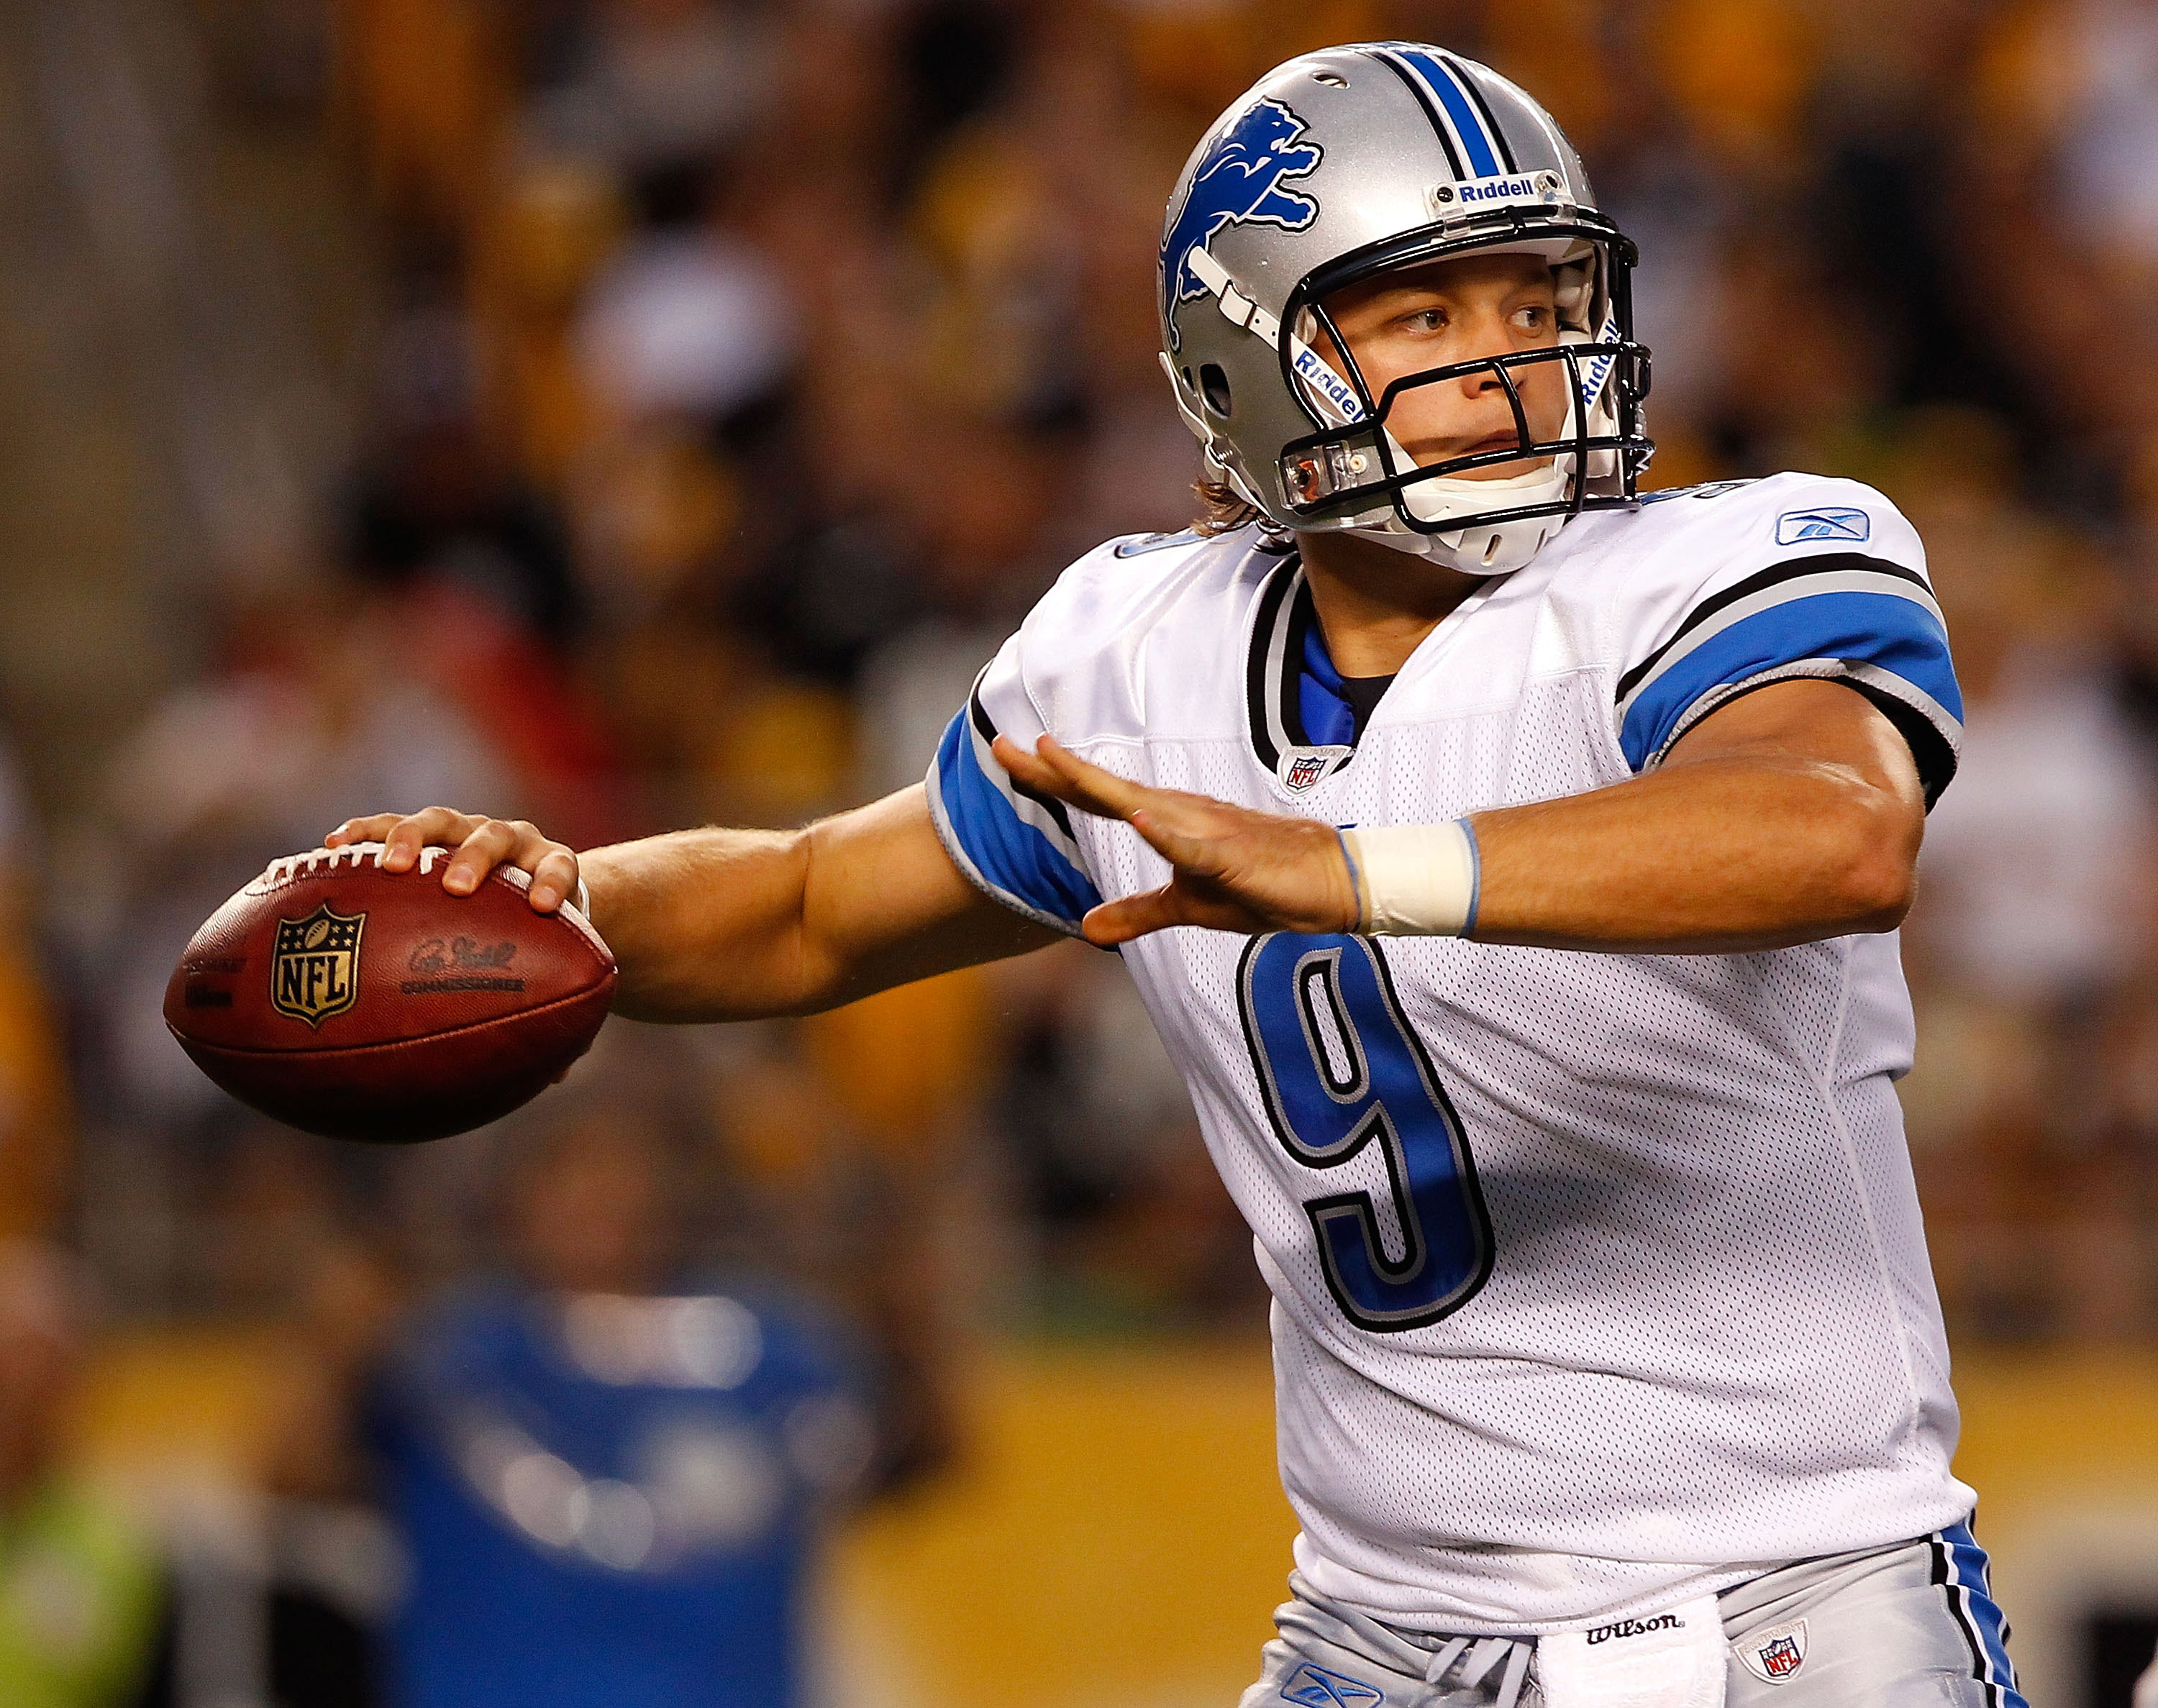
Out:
{"x": 1274, "y": 674}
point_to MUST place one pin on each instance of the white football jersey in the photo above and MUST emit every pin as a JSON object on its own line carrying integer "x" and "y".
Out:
{"x": 1600, "y": 1279}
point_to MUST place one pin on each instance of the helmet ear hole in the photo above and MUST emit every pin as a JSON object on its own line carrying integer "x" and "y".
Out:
{"x": 1214, "y": 387}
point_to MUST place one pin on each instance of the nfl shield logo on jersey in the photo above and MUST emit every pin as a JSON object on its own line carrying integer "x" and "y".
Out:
{"x": 1315, "y": 1687}
{"x": 1303, "y": 768}
{"x": 1775, "y": 1654}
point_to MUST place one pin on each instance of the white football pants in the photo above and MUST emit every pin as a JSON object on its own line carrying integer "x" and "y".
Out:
{"x": 1913, "y": 1625}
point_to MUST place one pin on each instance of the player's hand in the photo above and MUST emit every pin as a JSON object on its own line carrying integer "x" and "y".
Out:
{"x": 482, "y": 845}
{"x": 1237, "y": 870}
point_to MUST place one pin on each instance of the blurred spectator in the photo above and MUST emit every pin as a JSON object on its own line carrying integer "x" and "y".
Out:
{"x": 647, "y": 83}
{"x": 610, "y": 1473}
{"x": 2112, "y": 138}
{"x": 434, "y": 501}
{"x": 82, "y": 1595}
{"x": 989, "y": 544}
{"x": 2037, "y": 861}
{"x": 1134, "y": 1230}
{"x": 36, "y": 1116}
{"x": 687, "y": 319}
{"x": 474, "y": 565}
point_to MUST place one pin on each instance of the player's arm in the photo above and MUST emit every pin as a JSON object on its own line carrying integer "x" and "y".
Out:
{"x": 1790, "y": 814}
{"x": 733, "y": 924}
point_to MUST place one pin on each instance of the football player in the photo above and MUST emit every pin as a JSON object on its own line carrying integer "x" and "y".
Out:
{"x": 1512, "y": 862}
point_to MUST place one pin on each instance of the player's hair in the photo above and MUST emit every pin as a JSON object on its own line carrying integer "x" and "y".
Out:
{"x": 1222, "y": 511}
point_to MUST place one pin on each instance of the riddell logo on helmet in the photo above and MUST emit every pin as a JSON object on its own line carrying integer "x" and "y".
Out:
{"x": 1541, "y": 187}
{"x": 1503, "y": 189}
{"x": 1327, "y": 384}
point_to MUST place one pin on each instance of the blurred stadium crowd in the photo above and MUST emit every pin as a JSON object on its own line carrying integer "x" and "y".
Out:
{"x": 631, "y": 413}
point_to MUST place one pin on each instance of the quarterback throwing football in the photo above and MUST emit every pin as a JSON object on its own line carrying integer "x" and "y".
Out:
{"x": 1511, "y": 863}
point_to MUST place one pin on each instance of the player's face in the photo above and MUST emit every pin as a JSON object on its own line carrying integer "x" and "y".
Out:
{"x": 1418, "y": 318}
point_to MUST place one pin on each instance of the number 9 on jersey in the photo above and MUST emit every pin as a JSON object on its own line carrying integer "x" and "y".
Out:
{"x": 1341, "y": 1072}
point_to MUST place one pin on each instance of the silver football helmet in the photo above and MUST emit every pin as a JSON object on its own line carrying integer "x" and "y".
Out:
{"x": 1337, "y": 165}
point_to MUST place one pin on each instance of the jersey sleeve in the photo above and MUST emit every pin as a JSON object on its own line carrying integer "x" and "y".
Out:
{"x": 1012, "y": 843}
{"x": 1800, "y": 578}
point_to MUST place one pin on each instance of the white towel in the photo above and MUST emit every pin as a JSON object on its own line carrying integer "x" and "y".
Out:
{"x": 1671, "y": 1659}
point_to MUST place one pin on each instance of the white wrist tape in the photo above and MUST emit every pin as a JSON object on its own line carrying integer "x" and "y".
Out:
{"x": 1414, "y": 880}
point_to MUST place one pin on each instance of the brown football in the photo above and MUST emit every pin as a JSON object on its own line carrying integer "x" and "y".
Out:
{"x": 361, "y": 1004}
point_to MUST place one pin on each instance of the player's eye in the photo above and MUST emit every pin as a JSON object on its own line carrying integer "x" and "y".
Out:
{"x": 1425, "y": 320}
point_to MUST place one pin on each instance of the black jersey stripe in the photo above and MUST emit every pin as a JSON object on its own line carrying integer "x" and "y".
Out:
{"x": 1049, "y": 803}
{"x": 1415, "y": 86}
{"x": 1255, "y": 685}
{"x": 1301, "y": 616}
{"x": 1933, "y": 753}
{"x": 1791, "y": 570}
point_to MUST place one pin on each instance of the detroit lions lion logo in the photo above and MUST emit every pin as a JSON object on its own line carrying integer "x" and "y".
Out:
{"x": 1238, "y": 183}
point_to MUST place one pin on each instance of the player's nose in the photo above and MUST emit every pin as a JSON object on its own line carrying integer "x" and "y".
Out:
{"x": 1485, "y": 349}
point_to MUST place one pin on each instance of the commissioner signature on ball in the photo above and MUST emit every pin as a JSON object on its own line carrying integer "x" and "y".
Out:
{"x": 461, "y": 955}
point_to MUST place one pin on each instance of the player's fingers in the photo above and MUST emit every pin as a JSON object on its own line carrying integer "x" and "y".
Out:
{"x": 435, "y": 827}
{"x": 1054, "y": 770}
{"x": 554, "y": 871}
{"x": 1034, "y": 771}
{"x": 1175, "y": 843}
{"x": 1070, "y": 782}
{"x": 1129, "y": 917}
{"x": 491, "y": 843}
{"x": 371, "y": 828}
{"x": 1082, "y": 784}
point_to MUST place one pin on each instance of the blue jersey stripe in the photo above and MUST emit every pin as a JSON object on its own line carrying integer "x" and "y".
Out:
{"x": 1971, "y": 1596}
{"x": 1896, "y": 635}
{"x": 1468, "y": 122}
{"x": 1015, "y": 861}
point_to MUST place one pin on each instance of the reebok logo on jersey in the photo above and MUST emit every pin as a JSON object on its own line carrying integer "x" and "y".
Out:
{"x": 1775, "y": 1654}
{"x": 1634, "y": 1627}
{"x": 1315, "y": 1687}
{"x": 1793, "y": 527}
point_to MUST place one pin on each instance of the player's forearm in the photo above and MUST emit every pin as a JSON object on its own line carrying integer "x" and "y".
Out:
{"x": 737, "y": 925}
{"x": 705, "y": 925}
{"x": 1716, "y": 857}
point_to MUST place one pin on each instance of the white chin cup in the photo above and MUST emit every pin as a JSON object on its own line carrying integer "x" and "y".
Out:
{"x": 1488, "y": 549}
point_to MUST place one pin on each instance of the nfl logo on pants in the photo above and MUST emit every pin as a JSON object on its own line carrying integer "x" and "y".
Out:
{"x": 1775, "y": 1654}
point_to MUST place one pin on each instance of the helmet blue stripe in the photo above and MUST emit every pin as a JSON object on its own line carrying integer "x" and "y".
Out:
{"x": 1468, "y": 122}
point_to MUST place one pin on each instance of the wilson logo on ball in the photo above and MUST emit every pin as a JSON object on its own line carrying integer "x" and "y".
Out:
{"x": 315, "y": 972}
